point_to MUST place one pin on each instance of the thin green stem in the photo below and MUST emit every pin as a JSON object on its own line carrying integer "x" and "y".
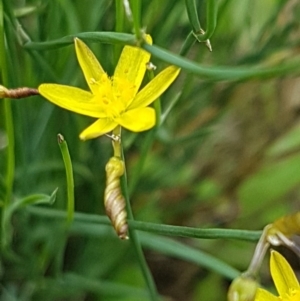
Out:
{"x": 119, "y": 26}
{"x": 136, "y": 244}
{"x": 191, "y": 9}
{"x": 119, "y": 16}
{"x": 87, "y": 224}
{"x": 224, "y": 73}
{"x": 211, "y": 21}
{"x": 116, "y": 141}
{"x": 196, "y": 232}
{"x": 188, "y": 43}
{"x": 147, "y": 143}
{"x": 22, "y": 36}
{"x": 216, "y": 73}
{"x": 109, "y": 37}
{"x": 8, "y": 119}
{"x": 161, "y": 229}
{"x": 136, "y": 14}
{"x": 10, "y": 167}
{"x": 176, "y": 249}
{"x": 157, "y": 108}
{"x": 259, "y": 253}
{"x": 136, "y": 174}
{"x": 157, "y": 103}
{"x": 58, "y": 261}
{"x": 69, "y": 174}
{"x": 170, "y": 107}
{"x": 110, "y": 289}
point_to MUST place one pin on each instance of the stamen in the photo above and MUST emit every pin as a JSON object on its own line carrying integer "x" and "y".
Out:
{"x": 150, "y": 66}
{"x": 116, "y": 138}
{"x": 93, "y": 81}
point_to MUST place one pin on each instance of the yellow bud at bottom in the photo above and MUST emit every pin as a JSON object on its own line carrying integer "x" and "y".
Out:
{"x": 243, "y": 288}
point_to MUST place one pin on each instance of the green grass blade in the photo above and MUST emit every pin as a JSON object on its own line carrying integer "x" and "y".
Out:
{"x": 69, "y": 174}
{"x": 179, "y": 250}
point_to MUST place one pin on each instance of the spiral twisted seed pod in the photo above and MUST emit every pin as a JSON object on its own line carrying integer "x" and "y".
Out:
{"x": 114, "y": 201}
{"x": 17, "y": 93}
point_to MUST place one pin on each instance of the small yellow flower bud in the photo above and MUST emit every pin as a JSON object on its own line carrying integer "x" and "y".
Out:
{"x": 243, "y": 288}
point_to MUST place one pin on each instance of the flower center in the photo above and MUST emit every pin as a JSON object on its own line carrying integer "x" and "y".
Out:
{"x": 114, "y": 95}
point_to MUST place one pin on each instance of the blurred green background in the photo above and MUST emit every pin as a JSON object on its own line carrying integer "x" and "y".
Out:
{"x": 227, "y": 155}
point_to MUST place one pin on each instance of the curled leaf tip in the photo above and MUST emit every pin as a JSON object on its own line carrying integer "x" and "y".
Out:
{"x": 60, "y": 138}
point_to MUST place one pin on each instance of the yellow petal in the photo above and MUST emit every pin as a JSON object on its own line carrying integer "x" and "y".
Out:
{"x": 155, "y": 87}
{"x": 132, "y": 65}
{"x": 263, "y": 295}
{"x": 282, "y": 274}
{"x": 89, "y": 64}
{"x": 98, "y": 128}
{"x": 138, "y": 120}
{"x": 72, "y": 99}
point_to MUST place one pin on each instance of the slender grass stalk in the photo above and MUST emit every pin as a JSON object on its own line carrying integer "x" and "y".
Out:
{"x": 59, "y": 256}
{"x": 237, "y": 73}
{"x": 169, "y": 230}
{"x": 87, "y": 224}
{"x": 69, "y": 174}
{"x": 23, "y": 37}
{"x": 102, "y": 37}
{"x": 132, "y": 234}
{"x": 8, "y": 118}
{"x": 224, "y": 73}
{"x": 119, "y": 16}
{"x": 211, "y": 20}
{"x": 61, "y": 242}
{"x": 157, "y": 103}
{"x": 117, "y": 143}
{"x": 170, "y": 107}
{"x": 188, "y": 43}
{"x": 136, "y": 14}
{"x": 196, "y": 232}
{"x": 179, "y": 250}
{"x": 191, "y": 9}
{"x": 119, "y": 27}
{"x": 106, "y": 288}
{"x": 137, "y": 246}
{"x": 150, "y": 136}
{"x": 135, "y": 176}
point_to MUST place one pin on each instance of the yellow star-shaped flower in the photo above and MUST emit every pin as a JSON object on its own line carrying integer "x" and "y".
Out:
{"x": 285, "y": 281}
{"x": 113, "y": 100}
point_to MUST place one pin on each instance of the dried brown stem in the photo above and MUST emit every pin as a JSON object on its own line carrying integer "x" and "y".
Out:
{"x": 18, "y": 92}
